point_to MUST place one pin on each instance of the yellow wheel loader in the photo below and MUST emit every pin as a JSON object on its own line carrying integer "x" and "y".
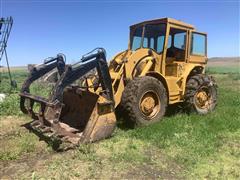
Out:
{"x": 164, "y": 64}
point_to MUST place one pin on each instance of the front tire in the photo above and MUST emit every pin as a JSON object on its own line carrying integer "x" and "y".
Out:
{"x": 144, "y": 101}
{"x": 201, "y": 94}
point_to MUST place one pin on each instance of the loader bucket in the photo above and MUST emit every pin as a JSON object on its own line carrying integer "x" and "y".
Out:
{"x": 84, "y": 117}
{"x": 72, "y": 114}
{"x": 89, "y": 114}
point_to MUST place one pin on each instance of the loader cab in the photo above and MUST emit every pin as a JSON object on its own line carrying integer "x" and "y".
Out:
{"x": 167, "y": 40}
{"x": 173, "y": 42}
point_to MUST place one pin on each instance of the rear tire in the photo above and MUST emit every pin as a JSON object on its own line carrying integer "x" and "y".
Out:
{"x": 144, "y": 101}
{"x": 201, "y": 94}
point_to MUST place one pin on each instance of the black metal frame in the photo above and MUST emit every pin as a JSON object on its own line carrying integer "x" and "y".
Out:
{"x": 87, "y": 63}
{"x": 35, "y": 73}
{"x": 68, "y": 76}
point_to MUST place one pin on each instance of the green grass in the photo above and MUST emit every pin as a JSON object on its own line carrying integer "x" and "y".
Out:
{"x": 22, "y": 144}
{"x": 10, "y": 106}
{"x": 223, "y": 70}
{"x": 180, "y": 146}
{"x": 18, "y": 75}
{"x": 195, "y": 137}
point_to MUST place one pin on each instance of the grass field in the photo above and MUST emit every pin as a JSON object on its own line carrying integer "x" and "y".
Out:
{"x": 180, "y": 146}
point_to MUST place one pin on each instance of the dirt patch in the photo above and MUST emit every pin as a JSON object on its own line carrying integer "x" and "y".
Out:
{"x": 16, "y": 168}
{"x": 20, "y": 151}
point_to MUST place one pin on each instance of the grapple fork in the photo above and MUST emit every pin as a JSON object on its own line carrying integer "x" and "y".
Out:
{"x": 73, "y": 114}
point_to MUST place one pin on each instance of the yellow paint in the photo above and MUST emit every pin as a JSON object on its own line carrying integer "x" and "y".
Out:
{"x": 129, "y": 64}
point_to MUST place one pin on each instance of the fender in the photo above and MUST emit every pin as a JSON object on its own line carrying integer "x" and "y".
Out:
{"x": 191, "y": 69}
{"x": 161, "y": 78}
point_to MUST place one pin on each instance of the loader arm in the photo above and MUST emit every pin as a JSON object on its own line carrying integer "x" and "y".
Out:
{"x": 40, "y": 70}
{"x": 87, "y": 63}
{"x": 35, "y": 73}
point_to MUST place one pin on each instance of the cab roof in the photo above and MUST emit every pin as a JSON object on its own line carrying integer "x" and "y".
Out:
{"x": 164, "y": 20}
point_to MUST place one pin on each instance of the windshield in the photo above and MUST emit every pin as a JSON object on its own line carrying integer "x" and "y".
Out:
{"x": 154, "y": 37}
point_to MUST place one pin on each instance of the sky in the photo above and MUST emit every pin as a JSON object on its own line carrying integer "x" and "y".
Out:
{"x": 43, "y": 28}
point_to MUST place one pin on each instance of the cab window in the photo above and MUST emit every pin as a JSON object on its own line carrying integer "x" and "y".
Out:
{"x": 145, "y": 42}
{"x": 136, "y": 39}
{"x": 179, "y": 40}
{"x": 169, "y": 41}
{"x": 176, "y": 44}
{"x": 155, "y": 37}
{"x": 160, "y": 42}
{"x": 198, "y": 46}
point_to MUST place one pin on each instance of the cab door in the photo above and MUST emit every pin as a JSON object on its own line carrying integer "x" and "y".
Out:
{"x": 176, "y": 51}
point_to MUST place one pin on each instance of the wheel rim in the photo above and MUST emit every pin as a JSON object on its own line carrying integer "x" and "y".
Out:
{"x": 150, "y": 104}
{"x": 203, "y": 99}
